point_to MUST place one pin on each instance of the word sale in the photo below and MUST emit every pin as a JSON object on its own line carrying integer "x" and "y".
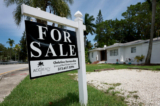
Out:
{"x": 60, "y": 50}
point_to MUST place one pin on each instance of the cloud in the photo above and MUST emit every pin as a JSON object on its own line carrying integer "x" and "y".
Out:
{"x": 118, "y": 9}
{"x": 98, "y": 6}
{"x": 7, "y": 21}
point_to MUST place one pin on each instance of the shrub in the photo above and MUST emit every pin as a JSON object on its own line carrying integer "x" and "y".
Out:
{"x": 139, "y": 58}
{"x": 87, "y": 56}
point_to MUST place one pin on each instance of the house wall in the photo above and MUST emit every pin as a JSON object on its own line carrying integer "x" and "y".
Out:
{"x": 96, "y": 56}
{"x": 155, "y": 57}
{"x": 121, "y": 54}
{"x": 112, "y": 59}
{"x": 128, "y": 54}
{"x": 124, "y": 53}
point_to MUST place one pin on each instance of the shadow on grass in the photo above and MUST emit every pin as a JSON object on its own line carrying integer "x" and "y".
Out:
{"x": 71, "y": 98}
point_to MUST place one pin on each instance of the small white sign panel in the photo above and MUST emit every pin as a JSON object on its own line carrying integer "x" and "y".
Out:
{"x": 47, "y": 67}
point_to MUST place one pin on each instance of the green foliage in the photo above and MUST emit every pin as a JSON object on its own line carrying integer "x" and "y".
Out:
{"x": 104, "y": 34}
{"x": 2, "y": 47}
{"x": 88, "y": 21}
{"x": 17, "y": 49}
{"x": 11, "y": 42}
{"x": 23, "y": 45}
{"x": 99, "y": 18}
{"x": 58, "y": 7}
{"x": 139, "y": 58}
{"x": 87, "y": 56}
{"x": 87, "y": 48}
{"x": 5, "y": 53}
{"x": 88, "y": 45}
{"x": 135, "y": 25}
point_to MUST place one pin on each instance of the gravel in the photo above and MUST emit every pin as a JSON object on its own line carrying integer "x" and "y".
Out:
{"x": 139, "y": 87}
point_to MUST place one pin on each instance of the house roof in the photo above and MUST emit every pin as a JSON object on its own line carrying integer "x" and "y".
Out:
{"x": 126, "y": 44}
{"x": 97, "y": 49}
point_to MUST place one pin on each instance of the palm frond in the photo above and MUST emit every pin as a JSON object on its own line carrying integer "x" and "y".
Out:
{"x": 17, "y": 15}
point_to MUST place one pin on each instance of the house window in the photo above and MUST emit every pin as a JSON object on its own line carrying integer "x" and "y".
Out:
{"x": 114, "y": 52}
{"x": 92, "y": 54}
{"x": 133, "y": 49}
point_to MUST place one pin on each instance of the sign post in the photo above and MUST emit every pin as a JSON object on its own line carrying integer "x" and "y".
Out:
{"x": 83, "y": 95}
{"x": 79, "y": 27}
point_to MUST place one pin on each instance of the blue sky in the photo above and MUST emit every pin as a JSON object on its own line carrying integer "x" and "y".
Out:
{"x": 111, "y": 9}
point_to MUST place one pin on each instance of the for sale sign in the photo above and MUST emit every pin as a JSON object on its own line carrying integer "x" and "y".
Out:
{"x": 50, "y": 49}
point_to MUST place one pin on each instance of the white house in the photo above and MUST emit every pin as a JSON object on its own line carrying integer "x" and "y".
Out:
{"x": 124, "y": 51}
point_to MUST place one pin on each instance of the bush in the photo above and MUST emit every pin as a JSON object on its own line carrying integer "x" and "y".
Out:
{"x": 87, "y": 56}
{"x": 139, "y": 58}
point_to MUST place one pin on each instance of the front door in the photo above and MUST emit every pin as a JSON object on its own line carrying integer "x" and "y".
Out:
{"x": 103, "y": 55}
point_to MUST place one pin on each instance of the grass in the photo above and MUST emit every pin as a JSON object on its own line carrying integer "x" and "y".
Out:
{"x": 56, "y": 90}
{"x": 136, "y": 96}
{"x": 131, "y": 92}
{"x": 92, "y": 67}
{"x": 62, "y": 90}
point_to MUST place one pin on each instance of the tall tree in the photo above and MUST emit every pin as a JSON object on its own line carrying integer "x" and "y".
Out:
{"x": 88, "y": 44}
{"x": 2, "y": 50}
{"x": 99, "y": 18}
{"x": 148, "y": 58}
{"x": 105, "y": 32}
{"x": 57, "y": 7}
{"x": 23, "y": 45}
{"x": 11, "y": 42}
{"x": 17, "y": 49}
{"x": 99, "y": 28}
{"x": 88, "y": 21}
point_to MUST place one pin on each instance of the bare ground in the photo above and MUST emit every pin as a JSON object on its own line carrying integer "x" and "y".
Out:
{"x": 139, "y": 87}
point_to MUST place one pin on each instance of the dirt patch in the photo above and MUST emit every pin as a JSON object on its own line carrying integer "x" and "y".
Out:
{"x": 138, "y": 87}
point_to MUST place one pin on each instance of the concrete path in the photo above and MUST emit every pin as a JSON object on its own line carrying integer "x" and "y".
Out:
{"x": 9, "y": 68}
{"x": 10, "y": 80}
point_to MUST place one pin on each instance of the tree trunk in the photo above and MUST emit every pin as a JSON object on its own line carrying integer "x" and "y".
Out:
{"x": 148, "y": 58}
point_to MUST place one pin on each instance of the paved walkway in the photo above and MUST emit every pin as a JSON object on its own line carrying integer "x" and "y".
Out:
{"x": 10, "y": 80}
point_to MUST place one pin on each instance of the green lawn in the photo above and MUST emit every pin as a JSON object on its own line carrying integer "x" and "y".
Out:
{"x": 62, "y": 90}
{"x": 92, "y": 67}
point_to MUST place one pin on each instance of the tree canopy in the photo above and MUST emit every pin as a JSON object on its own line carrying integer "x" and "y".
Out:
{"x": 57, "y": 7}
{"x": 99, "y": 18}
{"x": 135, "y": 25}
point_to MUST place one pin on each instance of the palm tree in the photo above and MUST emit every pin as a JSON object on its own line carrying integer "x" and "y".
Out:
{"x": 88, "y": 44}
{"x": 17, "y": 48}
{"x": 88, "y": 21}
{"x": 57, "y": 7}
{"x": 11, "y": 42}
{"x": 153, "y": 5}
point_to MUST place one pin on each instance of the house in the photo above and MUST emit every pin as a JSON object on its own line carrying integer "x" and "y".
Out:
{"x": 125, "y": 51}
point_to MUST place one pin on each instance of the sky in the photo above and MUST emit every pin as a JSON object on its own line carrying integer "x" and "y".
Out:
{"x": 111, "y": 9}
